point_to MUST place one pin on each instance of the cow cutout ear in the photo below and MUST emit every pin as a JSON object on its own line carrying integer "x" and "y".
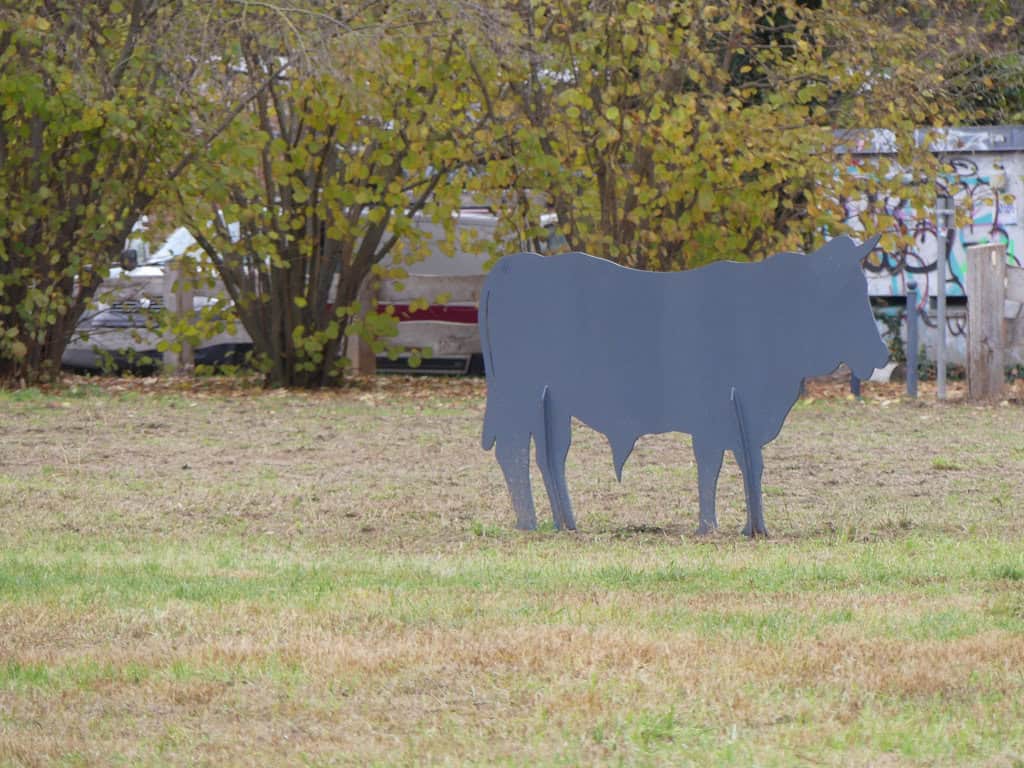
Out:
{"x": 842, "y": 249}
{"x": 832, "y": 253}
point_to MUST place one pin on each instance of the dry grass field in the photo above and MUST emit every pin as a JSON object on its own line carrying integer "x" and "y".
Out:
{"x": 214, "y": 575}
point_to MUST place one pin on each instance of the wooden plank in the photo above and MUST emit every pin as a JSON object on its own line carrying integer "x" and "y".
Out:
{"x": 179, "y": 299}
{"x": 444, "y": 339}
{"x": 1015, "y": 284}
{"x": 364, "y": 362}
{"x": 986, "y": 291}
{"x": 459, "y": 288}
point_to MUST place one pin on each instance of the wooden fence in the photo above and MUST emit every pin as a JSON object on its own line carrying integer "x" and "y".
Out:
{"x": 995, "y": 293}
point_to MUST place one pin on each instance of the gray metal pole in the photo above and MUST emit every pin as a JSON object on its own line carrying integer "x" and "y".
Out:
{"x": 911, "y": 316}
{"x": 943, "y": 212}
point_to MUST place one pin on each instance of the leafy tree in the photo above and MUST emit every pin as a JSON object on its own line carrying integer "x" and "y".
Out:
{"x": 988, "y": 78}
{"x": 668, "y": 135}
{"x": 663, "y": 135}
{"x": 88, "y": 127}
{"x": 104, "y": 107}
{"x": 326, "y": 172}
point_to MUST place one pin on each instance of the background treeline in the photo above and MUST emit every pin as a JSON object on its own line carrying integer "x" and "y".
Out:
{"x": 298, "y": 141}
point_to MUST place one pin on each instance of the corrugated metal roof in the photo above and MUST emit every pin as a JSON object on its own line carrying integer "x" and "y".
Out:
{"x": 982, "y": 138}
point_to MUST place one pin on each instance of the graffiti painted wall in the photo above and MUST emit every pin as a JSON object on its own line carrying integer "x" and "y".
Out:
{"x": 986, "y": 185}
{"x": 978, "y": 186}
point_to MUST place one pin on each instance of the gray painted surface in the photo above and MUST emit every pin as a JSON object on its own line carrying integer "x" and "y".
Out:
{"x": 718, "y": 352}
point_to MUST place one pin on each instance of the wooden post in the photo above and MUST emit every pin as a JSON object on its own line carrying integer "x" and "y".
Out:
{"x": 364, "y": 362}
{"x": 179, "y": 299}
{"x": 986, "y": 292}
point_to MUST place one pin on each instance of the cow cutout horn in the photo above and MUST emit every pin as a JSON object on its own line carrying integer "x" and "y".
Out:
{"x": 868, "y": 246}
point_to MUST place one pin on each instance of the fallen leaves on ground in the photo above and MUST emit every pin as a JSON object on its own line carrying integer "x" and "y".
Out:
{"x": 446, "y": 389}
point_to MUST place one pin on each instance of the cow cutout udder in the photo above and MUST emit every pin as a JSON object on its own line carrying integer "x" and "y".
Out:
{"x": 718, "y": 352}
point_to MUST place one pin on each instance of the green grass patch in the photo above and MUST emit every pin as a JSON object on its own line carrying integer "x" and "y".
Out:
{"x": 193, "y": 578}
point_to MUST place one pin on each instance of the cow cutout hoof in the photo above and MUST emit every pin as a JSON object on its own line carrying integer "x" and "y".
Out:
{"x": 706, "y": 529}
{"x": 755, "y": 533}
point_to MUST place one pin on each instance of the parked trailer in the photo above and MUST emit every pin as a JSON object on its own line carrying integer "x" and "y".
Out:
{"x": 449, "y": 327}
{"x": 120, "y": 331}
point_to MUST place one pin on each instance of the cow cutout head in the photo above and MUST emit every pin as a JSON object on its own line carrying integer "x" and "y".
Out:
{"x": 844, "y": 304}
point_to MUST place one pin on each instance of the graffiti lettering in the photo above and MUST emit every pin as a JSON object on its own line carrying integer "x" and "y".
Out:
{"x": 977, "y": 204}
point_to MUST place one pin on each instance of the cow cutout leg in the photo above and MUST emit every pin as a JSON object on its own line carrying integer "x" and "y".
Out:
{"x": 752, "y": 467}
{"x": 553, "y": 443}
{"x": 709, "y": 466}
{"x": 513, "y": 454}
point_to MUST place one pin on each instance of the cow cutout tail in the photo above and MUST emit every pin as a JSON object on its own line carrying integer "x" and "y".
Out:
{"x": 483, "y": 324}
{"x": 489, "y": 435}
{"x": 485, "y": 327}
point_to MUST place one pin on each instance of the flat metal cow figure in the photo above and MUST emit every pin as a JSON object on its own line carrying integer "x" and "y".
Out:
{"x": 719, "y": 352}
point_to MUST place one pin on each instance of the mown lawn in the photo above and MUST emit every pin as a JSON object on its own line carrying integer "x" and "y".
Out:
{"x": 219, "y": 576}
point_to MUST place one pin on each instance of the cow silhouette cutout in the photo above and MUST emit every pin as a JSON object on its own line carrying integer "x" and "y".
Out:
{"x": 719, "y": 352}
